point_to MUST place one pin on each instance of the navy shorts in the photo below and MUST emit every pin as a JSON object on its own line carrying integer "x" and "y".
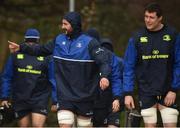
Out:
{"x": 99, "y": 117}
{"x": 148, "y": 101}
{"x": 113, "y": 119}
{"x": 104, "y": 116}
{"x": 79, "y": 108}
{"x": 22, "y": 113}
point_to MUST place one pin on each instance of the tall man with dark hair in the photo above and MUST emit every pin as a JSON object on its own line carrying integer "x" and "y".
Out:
{"x": 78, "y": 60}
{"x": 153, "y": 58}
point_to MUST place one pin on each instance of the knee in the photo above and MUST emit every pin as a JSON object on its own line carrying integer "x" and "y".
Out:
{"x": 84, "y": 122}
{"x": 149, "y": 115}
{"x": 169, "y": 115}
{"x": 65, "y": 117}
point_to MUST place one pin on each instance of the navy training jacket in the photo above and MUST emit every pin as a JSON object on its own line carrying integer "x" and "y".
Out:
{"x": 78, "y": 62}
{"x": 153, "y": 59}
{"x": 25, "y": 81}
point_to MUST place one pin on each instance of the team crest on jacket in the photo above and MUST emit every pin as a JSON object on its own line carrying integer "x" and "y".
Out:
{"x": 79, "y": 45}
{"x": 166, "y": 38}
{"x": 63, "y": 43}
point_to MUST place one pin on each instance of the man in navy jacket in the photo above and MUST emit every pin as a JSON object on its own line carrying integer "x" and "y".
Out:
{"x": 153, "y": 58}
{"x": 26, "y": 83}
{"x": 78, "y": 60}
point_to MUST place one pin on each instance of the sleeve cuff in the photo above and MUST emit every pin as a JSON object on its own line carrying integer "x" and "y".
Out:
{"x": 103, "y": 76}
{"x": 173, "y": 90}
{"x": 4, "y": 98}
{"x": 54, "y": 103}
{"x": 128, "y": 93}
{"x": 116, "y": 97}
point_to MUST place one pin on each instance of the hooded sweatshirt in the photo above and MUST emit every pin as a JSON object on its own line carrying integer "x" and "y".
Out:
{"x": 78, "y": 60}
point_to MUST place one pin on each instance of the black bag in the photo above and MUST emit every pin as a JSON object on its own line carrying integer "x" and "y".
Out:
{"x": 133, "y": 118}
{"x": 7, "y": 115}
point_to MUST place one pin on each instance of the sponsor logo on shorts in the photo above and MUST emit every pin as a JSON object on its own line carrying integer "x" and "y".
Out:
{"x": 140, "y": 103}
{"x": 89, "y": 113}
{"x": 16, "y": 114}
{"x": 43, "y": 111}
{"x": 105, "y": 121}
{"x": 117, "y": 121}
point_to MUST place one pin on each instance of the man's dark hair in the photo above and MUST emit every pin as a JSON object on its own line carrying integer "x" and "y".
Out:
{"x": 154, "y": 7}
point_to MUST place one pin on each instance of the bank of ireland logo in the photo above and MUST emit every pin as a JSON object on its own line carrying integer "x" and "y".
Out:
{"x": 155, "y": 52}
{"x": 29, "y": 67}
{"x": 166, "y": 38}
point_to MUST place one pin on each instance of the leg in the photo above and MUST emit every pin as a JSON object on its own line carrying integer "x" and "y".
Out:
{"x": 112, "y": 126}
{"x": 24, "y": 121}
{"x": 169, "y": 116}
{"x": 84, "y": 112}
{"x": 148, "y": 105}
{"x": 65, "y": 118}
{"x": 83, "y": 121}
{"x": 149, "y": 116}
{"x": 38, "y": 120}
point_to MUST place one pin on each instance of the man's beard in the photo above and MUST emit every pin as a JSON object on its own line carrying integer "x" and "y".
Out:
{"x": 65, "y": 31}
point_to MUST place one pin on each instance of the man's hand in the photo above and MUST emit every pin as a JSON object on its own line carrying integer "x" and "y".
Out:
{"x": 5, "y": 103}
{"x": 13, "y": 47}
{"x": 54, "y": 108}
{"x": 104, "y": 83}
{"x": 170, "y": 98}
{"x": 129, "y": 102}
{"x": 115, "y": 106}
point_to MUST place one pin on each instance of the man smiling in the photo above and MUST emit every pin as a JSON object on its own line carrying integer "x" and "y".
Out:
{"x": 78, "y": 60}
{"x": 153, "y": 57}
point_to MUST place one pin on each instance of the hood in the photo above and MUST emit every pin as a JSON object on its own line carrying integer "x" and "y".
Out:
{"x": 107, "y": 43}
{"x": 74, "y": 19}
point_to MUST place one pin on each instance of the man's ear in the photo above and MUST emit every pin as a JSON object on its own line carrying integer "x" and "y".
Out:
{"x": 160, "y": 18}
